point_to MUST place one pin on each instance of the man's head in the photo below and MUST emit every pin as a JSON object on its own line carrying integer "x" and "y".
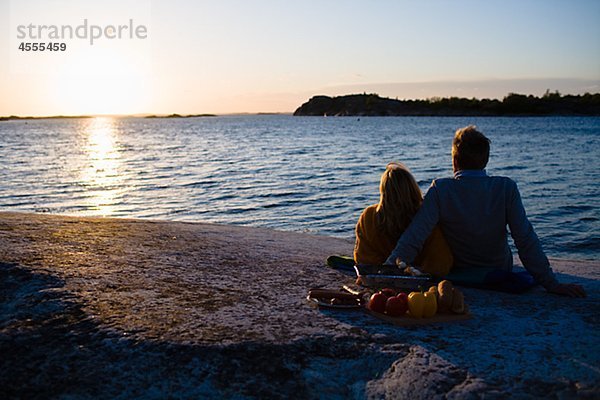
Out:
{"x": 470, "y": 149}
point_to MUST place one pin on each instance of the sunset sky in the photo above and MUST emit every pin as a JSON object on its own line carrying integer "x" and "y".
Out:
{"x": 271, "y": 56}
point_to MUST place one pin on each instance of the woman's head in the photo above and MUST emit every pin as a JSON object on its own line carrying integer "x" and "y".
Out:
{"x": 400, "y": 199}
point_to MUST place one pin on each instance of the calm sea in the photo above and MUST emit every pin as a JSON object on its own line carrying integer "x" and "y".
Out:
{"x": 309, "y": 174}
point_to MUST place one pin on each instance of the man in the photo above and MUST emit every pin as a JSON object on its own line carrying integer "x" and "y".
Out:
{"x": 473, "y": 210}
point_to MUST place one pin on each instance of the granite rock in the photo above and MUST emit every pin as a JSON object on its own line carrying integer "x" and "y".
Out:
{"x": 118, "y": 308}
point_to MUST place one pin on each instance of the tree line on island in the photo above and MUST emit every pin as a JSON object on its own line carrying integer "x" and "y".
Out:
{"x": 551, "y": 103}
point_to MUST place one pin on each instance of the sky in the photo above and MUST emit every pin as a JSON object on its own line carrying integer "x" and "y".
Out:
{"x": 272, "y": 56}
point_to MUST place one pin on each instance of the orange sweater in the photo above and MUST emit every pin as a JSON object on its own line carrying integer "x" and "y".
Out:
{"x": 372, "y": 246}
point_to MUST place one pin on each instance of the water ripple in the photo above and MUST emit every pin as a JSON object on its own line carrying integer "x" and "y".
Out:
{"x": 292, "y": 173}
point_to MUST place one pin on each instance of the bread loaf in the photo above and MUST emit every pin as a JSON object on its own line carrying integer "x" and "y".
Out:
{"x": 445, "y": 293}
{"x": 331, "y": 294}
{"x": 434, "y": 290}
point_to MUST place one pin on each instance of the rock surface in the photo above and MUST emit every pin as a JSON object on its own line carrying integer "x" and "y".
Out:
{"x": 117, "y": 308}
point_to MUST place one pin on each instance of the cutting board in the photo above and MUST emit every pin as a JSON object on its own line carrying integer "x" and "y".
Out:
{"x": 411, "y": 321}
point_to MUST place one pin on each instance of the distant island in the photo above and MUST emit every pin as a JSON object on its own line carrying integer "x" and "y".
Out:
{"x": 16, "y": 117}
{"x": 181, "y": 116}
{"x": 551, "y": 103}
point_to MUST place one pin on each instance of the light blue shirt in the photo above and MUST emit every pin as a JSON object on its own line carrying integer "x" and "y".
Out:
{"x": 473, "y": 210}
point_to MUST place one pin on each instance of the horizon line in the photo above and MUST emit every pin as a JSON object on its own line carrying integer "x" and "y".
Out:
{"x": 202, "y": 115}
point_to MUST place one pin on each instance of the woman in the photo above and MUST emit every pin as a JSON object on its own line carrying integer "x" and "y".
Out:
{"x": 381, "y": 225}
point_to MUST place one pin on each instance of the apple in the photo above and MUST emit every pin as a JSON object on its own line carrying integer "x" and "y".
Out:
{"x": 403, "y": 296}
{"x": 388, "y": 292}
{"x": 396, "y": 306}
{"x": 377, "y": 302}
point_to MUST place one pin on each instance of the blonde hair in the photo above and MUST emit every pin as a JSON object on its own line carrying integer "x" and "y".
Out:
{"x": 400, "y": 199}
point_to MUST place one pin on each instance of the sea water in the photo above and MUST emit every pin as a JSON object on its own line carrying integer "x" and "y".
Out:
{"x": 308, "y": 174}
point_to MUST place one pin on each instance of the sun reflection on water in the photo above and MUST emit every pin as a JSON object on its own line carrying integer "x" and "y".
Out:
{"x": 102, "y": 177}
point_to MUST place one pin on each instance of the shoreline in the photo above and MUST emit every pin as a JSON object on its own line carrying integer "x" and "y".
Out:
{"x": 559, "y": 257}
{"x": 129, "y": 307}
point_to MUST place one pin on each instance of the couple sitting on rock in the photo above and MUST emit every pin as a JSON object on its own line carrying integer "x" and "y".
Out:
{"x": 459, "y": 225}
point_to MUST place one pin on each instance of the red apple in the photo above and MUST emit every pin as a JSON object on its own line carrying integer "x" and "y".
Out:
{"x": 403, "y": 296}
{"x": 396, "y": 306}
{"x": 388, "y": 292}
{"x": 377, "y": 302}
